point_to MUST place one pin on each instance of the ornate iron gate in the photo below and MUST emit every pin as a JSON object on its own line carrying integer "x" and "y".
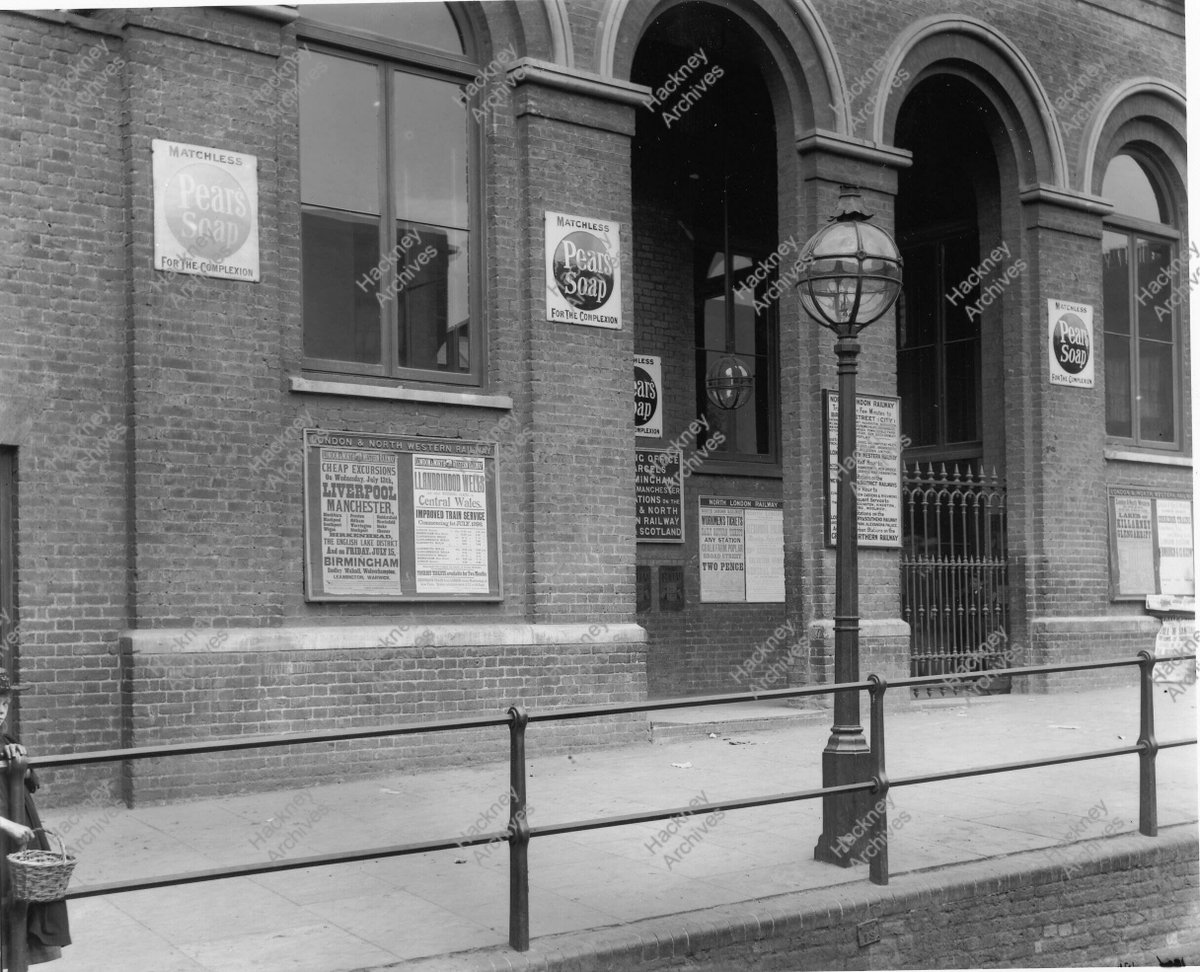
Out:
{"x": 954, "y": 574}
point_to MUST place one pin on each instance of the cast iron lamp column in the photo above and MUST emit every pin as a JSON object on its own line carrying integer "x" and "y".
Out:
{"x": 849, "y": 278}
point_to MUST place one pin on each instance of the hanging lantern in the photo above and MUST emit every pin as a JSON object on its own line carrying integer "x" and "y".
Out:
{"x": 728, "y": 383}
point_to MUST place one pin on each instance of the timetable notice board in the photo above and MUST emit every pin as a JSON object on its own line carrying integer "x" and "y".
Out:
{"x": 659, "y": 496}
{"x": 741, "y": 550}
{"x": 399, "y": 518}
{"x": 1150, "y": 542}
{"x": 876, "y": 465}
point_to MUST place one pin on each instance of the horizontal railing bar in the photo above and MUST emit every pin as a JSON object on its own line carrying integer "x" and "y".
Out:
{"x": 232, "y": 744}
{"x": 421, "y": 847}
{"x": 596, "y": 823}
{"x": 1010, "y": 767}
{"x": 682, "y": 702}
{"x": 951, "y": 677}
{"x": 318, "y": 860}
{"x": 693, "y": 701}
{"x": 1177, "y": 742}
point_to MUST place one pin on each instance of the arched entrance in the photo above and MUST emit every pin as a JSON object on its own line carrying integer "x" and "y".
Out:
{"x": 958, "y": 270}
{"x": 705, "y": 219}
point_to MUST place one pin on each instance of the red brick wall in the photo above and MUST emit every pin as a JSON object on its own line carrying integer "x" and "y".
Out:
{"x": 63, "y": 304}
{"x": 193, "y": 687}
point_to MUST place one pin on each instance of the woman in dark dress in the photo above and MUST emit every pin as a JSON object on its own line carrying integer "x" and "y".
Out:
{"x": 46, "y": 926}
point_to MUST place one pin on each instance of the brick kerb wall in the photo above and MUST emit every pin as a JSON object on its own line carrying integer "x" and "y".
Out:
{"x": 1135, "y": 895}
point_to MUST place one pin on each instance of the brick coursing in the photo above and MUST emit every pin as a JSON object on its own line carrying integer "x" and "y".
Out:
{"x": 178, "y": 697}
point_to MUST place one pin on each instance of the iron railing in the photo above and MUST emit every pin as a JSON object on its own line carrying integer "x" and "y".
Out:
{"x": 954, "y": 570}
{"x": 518, "y": 833}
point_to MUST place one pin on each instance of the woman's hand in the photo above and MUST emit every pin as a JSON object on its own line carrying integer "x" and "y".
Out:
{"x": 13, "y": 750}
{"x": 19, "y": 833}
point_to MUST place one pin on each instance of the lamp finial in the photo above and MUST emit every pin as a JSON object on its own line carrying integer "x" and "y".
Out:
{"x": 850, "y": 205}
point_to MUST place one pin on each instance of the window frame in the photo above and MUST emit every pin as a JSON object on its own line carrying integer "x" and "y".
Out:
{"x": 1134, "y": 228}
{"x": 938, "y": 238}
{"x": 738, "y": 463}
{"x": 390, "y": 57}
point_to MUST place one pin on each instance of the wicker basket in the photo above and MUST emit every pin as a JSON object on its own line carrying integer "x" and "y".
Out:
{"x": 39, "y": 875}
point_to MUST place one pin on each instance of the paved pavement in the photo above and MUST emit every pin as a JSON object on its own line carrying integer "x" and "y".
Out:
{"x": 367, "y": 915}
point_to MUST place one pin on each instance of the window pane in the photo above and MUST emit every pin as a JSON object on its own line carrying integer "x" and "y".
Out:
{"x": 746, "y": 324}
{"x": 1156, "y": 392}
{"x": 1154, "y": 290}
{"x": 747, "y": 430}
{"x": 1116, "y": 282}
{"x": 341, "y": 310}
{"x": 430, "y": 286}
{"x": 714, "y": 323}
{"x": 760, "y": 368}
{"x": 917, "y": 380}
{"x": 1118, "y": 393}
{"x": 429, "y": 143}
{"x": 960, "y": 291}
{"x": 962, "y": 391}
{"x": 427, "y": 24}
{"x": 919, "y": 324}
{"x": 339, "y": 134}
{"x": 1131, "y": 190}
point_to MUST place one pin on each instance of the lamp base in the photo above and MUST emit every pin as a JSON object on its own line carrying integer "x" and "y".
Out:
{"x": 846, "y": 817}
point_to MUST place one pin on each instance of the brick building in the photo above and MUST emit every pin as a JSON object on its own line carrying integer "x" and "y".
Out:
{"x": 438, "y": 236}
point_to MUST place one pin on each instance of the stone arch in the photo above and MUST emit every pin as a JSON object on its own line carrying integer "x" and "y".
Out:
{"x": 977, "y": 51}
{"x": 537, "y": 30}
{"x": 1146, "y": 111}
{"x": 800, "y": 53}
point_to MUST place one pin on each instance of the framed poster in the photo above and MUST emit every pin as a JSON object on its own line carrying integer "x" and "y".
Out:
{"x": 1149, "y": 543}
{"x": 876, "y": 463}
{"x": 659, "y": 496}
{"x": 400, "y": 518}
{"x": 1069, "y": 344}
{"x": 205, "y": 211}
{"x": 741, "y": 550}
{"x": 583, "y": 270}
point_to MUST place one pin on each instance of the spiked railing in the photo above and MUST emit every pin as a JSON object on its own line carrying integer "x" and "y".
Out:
{"x": 954, "y": 570}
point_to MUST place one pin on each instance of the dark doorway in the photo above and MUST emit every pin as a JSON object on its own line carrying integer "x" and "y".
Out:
{"x": 954, "y": 590}
{"x": 707, "y": 157}
{"x": 939, "y": 317}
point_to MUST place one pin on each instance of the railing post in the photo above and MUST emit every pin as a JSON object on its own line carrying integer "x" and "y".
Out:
{"x": 878, "y": 844}
{"x": 16, "y": 944}
{"x": 518, "y": 833}
{"x": 1148, "y": 777}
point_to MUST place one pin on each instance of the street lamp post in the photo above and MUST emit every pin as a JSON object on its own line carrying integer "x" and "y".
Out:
{"x": 849, "y": 278}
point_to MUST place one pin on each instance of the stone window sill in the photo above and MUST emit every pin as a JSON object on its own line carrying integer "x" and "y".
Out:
{"x": 398, "y": 393}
